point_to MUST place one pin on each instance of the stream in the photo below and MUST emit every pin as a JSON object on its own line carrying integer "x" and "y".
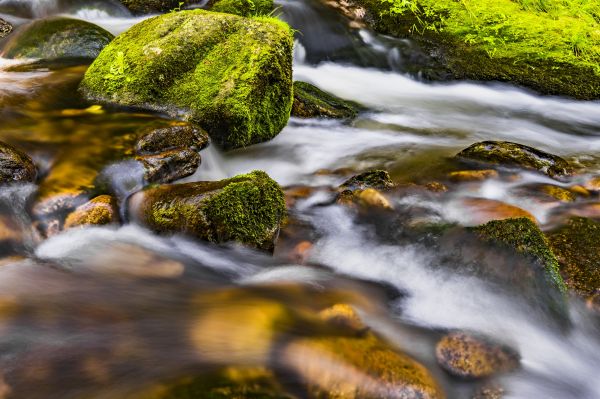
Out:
{"x": 101, "y": 312}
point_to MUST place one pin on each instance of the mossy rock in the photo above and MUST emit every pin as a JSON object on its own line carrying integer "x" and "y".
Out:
{"x": 232, "y": 382}
{"x": 245, "y": 8}
{"x": 577, "y": 247}
{"x": 312, "y": 102}
{"x": 99, "y": 211}
{"x": 468, "y": 356}
{"x": 505, "y": 153}
{"x": 549, "y": 46}
{"x": 361, "y": 366}
{"x": 377, "y": 179}
{"x": 229, "y": 74}
{"x": 169, "y": 166}
{"x": 247, "y": 208}
{"x": 139, "y": 7}
{"x": 5, "y": 28}
{"x": 15, "y": 166}
{"x": 183, "y": 135}
{"x": 57, "y": 38}
{"x": 524, "y": 236}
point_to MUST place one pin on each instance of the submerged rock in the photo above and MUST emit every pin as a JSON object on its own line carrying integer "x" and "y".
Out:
{"x": 505, "y": 153}
{"x": 468, "y": 356}
{"x": 229, "y": 74}
{"x": 483, "y": 210}
{"x": 247, "y": 208}
{"x": 5, "y": 28}
{"x": 577, "y": 248}
{"x": 57, "y": 38}
{"x": 472, "y": 175}
{"x": 15, "y": 166}
{"x": 377, "y": 179}
{"x": 312, "y": 102}
{"x": 99, "y": 211}
{"x": 359, "y": 365}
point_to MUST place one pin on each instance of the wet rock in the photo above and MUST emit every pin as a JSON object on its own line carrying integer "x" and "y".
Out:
{"x": 490, "y": 392}
{"x": 504, "y": 153}
{"x": 231, "y": 382}
{"x": 468, "y": 356}
{"x": 241, "y": 88}
{"x": 377, "y": 179}
{"x": 523, "y": 236}
{"x": 472, "y": 175}
{"x": 15, "y": 166}
{"x": 358, "y": 366}
{"x": 483, "y": 210}
{"x": 343, "y": 315}
{"x": 593, "y": 184}
{"x": 577, "y": 248}
{"x": 99, "y": 211}
{"x": 170, "y": 165}
{"x": 247, "y": 209}
{"x": 178, "y": 135}
{"x": 5, "y": 28}
{"x": 57, "y": 38}
{"x": 558, "y": 193}
{"x": 593, "y": 302}
{"x": 312, "y": 102}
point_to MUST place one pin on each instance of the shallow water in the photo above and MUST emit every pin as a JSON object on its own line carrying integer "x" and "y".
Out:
{"x": 105, "y": 312}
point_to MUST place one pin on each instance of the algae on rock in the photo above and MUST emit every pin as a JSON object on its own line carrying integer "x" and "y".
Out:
{"x": 229, "y": 74}
{"x": 312, "y": 102}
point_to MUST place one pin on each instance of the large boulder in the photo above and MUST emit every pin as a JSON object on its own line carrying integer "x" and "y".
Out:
{"x": 547, "y": 46}
{"x": 577, "y": 247}
{"x": 247, "y": 208}
{"x": 231, "y": 75}
{"x": 15, "y": 166}
{"x": 505, "y": 153}
{"x": 5, "y": 28}
{"x": 57, "y": 38}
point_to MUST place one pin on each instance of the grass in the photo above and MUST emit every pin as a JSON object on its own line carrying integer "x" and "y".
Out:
{"x": 564, "y": 31}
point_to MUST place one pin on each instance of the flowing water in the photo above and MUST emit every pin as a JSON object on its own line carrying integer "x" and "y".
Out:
{"x": 104, "y": 312}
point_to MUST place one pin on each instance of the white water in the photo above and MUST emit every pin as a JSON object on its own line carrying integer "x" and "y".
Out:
{"x": 405, "y": 117}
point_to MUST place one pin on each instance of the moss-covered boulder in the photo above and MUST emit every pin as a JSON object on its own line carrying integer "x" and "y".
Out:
{"x": 57, "y": 38}
{"x": 505, "y": 153}
{"x": 358, "y": 365}
{"x": 99, "y": 211}
{"x": 550, "y": 46}
{"x": 312, "y": 102}
{"x": 5, "y": 28}
{"x": 15, "y": 166}
{"x": 469, "y": 356}
{"x": 523, "y": 236}
{"x": 247, "y": 208}
{"x": 577, "y": 248}
{"x": 377, "y": 179}
{"x": 229, "y": 74}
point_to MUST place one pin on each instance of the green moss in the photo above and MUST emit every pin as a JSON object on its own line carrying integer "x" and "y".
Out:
{"x": 231, "y": 75}
{"x": 244, "y": 8}
{"x": 513, "y": 154}
{"x": 577, "y": 247}
{"x": 57, "y": 38}
{"x": 312, "y": 102}
{"x": 151, "y": 6}
{"x": 523, "y": 236}
{"x": 247, "y": 208}
{"x": 378, "y": 179}
{"x": 553, "y": 47}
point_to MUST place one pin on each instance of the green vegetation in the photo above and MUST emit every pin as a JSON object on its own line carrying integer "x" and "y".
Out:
{"x": 231, "y": 75}
{"x": 550, "y": 45}
{"x": 244, "y": 8}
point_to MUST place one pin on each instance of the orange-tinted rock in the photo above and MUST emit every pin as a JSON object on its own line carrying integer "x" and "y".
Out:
{"x": 472, "y": 175}
{"x": 482, "y": 210}
{"x": 99, "y": 211}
